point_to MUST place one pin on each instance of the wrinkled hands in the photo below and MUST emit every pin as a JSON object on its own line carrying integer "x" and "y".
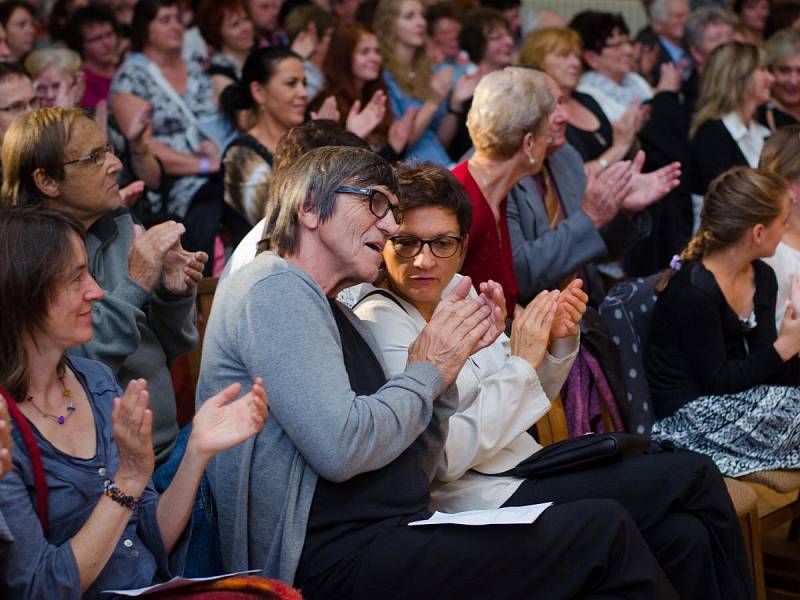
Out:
{"x": 601, "y": 200}
{"x": 158, "y": 250}
{"x": 223, "y": 421}
{"x": 647, "y": 188}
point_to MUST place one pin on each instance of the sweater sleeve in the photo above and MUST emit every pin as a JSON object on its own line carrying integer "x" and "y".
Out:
{"x": 338, "y": 433}
{"x": 173, "y": 318}
{"x": 699, "y": 317}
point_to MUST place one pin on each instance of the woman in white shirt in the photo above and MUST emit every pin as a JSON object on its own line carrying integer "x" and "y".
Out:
{"x": 677, "y": 499}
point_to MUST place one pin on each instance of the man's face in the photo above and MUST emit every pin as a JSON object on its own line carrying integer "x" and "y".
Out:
{"x": 499, "y": 48}
{"x": 672, "y": 27}
{"x": 16, "y": 98}
{"x": 264, "y": 14}
{"x": 89, "y": 188}
{"x": 100, "y": 44}
{"x": 445, "y": 37}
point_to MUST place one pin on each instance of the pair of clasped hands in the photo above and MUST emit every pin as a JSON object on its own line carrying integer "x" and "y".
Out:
{"x": 461, "y": 326}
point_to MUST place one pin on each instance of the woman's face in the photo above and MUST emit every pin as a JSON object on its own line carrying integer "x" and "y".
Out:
{"x": 754, "y": 14}
{"x": 69, "y": 317}
{"x": 411, "y": 24}
{"x": 422, "y": 279}
{"x": 775, "y": 230}
{"x": 283, "y": 99}
{"x": 237, "y": 31}
{"x": 564, "y": 67}
{"x": 367, "y": 59}
{"x": 759, "y": 86}
{"x": 20, "y": 32}
{"x": 616, "y": 58}
{"x": 50, "y": 83}
{"x": 786, "y": 87}
{"x": 165, "y": 32}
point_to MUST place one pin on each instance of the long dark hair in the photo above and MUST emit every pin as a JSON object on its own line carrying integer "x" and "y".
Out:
{"x": 30, "y": 273}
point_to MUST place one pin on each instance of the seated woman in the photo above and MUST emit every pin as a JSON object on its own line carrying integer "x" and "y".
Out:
{"x": 86, "y": 517}
{"x": 503, "y": 390}
{"x": 273, "y": 87}
{"x": 783, "y": 61}
{"x": 354, "y": 78}
{"x": 557, "y": 52}
{"x": 401, "y": 29}
{"x": 781, "y": 155}
{"x": 189, "y": 134}
{"x": 724, "y": 132}
{"x": 18, "y": 19}
{"x": 57, "y": 76}
{"x": 713, "y": 343}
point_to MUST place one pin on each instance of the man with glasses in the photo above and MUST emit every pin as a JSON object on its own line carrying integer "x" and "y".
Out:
{"x": 61, "y": 158}
{"x": 92, "y": 32}
{"x": 16, "y": 95}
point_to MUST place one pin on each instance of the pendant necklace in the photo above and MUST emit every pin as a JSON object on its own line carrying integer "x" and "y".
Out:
{"x": 65, "y": 392}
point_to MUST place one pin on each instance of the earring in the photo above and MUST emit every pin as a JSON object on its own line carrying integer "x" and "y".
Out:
{"x": 531, "y": 159}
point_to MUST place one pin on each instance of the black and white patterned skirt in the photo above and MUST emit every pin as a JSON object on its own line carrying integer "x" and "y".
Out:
{"x": 755, "y": 430}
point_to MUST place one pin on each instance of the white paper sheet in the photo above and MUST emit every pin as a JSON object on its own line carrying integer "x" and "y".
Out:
{"x": 173, "y": 583}
{"x": 510, "y": 515}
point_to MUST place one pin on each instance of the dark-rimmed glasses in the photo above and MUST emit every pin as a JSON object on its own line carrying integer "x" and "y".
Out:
{"x": 379, "y": 203}
{"x": 408, "y": 246}
{"x": 98, "y": 157}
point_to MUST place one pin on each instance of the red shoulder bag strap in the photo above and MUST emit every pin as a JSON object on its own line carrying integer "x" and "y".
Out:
{"x": 32, "y": 447}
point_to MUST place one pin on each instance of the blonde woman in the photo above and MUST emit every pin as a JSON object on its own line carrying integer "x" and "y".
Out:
{"x": 783, "y": 60}
{"x": 401, "y": 29}
{"x": 57, "y": 76}
{"x": 557, "y": 52}
{"x": 722, "y": 379}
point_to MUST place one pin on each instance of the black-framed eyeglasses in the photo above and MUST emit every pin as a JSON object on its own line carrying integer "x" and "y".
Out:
{"x": 443, "y": 246}
{"x": 379, "y": 203}
{"x": 98, "y": 157}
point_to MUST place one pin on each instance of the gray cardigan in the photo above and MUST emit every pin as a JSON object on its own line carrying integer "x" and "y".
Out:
{"x": 137, "y": 333}
{"x": 543, "y": 256}
{"x": 271, "y": 319}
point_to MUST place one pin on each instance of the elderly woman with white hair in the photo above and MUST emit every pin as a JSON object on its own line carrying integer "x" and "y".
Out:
{"x": 57, "y": 76}
{"x": 510, "y": 132}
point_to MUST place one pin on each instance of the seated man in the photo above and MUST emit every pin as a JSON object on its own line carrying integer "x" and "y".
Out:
{"x": 561, "y": 223}
{"x": 324, "y": 495}
{"x": 146, "y": 318}
{"x": 18, "y": 97}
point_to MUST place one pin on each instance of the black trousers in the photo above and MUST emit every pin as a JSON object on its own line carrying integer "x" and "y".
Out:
{"x": 682, "y": 508}
{"x": 589, "y": 549}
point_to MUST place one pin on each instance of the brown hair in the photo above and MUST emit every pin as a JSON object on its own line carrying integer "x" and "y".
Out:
{"x": 474, "y": 34}
{"x": 30, "y": 272}
{"x": 549, "y": 40}
{"x": 211, "y": 15}
{"x": 338, "y": 70}
{"x": 428, "y": 184}
{"x": 35, "y": 141}
{"x": 738, "y": 199}
{"x": 781, "y": 153}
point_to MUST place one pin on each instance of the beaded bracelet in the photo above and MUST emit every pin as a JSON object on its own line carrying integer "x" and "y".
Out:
{"x": 111, "y": 490}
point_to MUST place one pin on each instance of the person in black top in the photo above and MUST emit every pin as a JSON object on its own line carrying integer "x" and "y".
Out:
{"x": 713, "y": 342}
{"x": 783, "y": 60}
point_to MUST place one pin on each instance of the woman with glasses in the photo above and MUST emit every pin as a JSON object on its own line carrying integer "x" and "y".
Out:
{"x": 504, "y": 389}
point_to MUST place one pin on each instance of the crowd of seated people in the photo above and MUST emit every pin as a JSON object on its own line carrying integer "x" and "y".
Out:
{"x": 410, "y": 211}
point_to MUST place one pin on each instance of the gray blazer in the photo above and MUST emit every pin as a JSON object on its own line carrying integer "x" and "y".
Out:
{"x": 542, "y": 257}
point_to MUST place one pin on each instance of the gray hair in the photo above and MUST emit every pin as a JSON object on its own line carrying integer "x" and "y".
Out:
{"x": 310, "y": 184}
{"x": 507, "y": 105}
{"x": 782, "y": 46}
{"x": 659, "y": 9}
{"x": 700, "y": 19}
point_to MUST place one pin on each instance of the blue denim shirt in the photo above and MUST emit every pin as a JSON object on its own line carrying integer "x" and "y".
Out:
{"x": 428, "y": 146}
{"x": 45, "y": 567}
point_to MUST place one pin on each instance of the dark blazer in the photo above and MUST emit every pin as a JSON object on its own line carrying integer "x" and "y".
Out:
{"x": 542, "y": 257}
{"x": 649, "y": 38}
{"x": 713, "y": 151}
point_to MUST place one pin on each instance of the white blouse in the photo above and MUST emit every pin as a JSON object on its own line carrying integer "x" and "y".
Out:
{"x": 500, "y": 398}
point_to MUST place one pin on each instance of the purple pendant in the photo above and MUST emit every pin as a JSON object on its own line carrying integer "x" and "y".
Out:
{"x": 61, "y": 420}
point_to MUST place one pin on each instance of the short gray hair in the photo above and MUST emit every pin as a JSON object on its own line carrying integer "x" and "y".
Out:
{"x": 310, "y": 183}
{"x": 507, "y": 105}
{"x": 782, "y": 46}
{"x": 659, "y": 9}
{"x": 700, "y": 19}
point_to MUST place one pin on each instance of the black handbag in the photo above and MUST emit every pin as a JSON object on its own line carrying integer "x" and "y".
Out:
{"x": 580, "y": 453}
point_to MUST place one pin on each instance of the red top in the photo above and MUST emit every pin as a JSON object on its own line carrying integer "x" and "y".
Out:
{"x": 97, "y": 88}
{"x": 489, "y": 250}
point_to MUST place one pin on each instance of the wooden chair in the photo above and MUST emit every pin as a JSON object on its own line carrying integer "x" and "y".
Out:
{"x": 205, "y": 299}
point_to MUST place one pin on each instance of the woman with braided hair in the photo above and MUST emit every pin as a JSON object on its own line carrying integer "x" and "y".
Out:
{"x": 721, "y": 377}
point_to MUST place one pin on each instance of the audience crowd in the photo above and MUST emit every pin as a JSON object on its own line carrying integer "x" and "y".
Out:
{"x": 412, "y": 211}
